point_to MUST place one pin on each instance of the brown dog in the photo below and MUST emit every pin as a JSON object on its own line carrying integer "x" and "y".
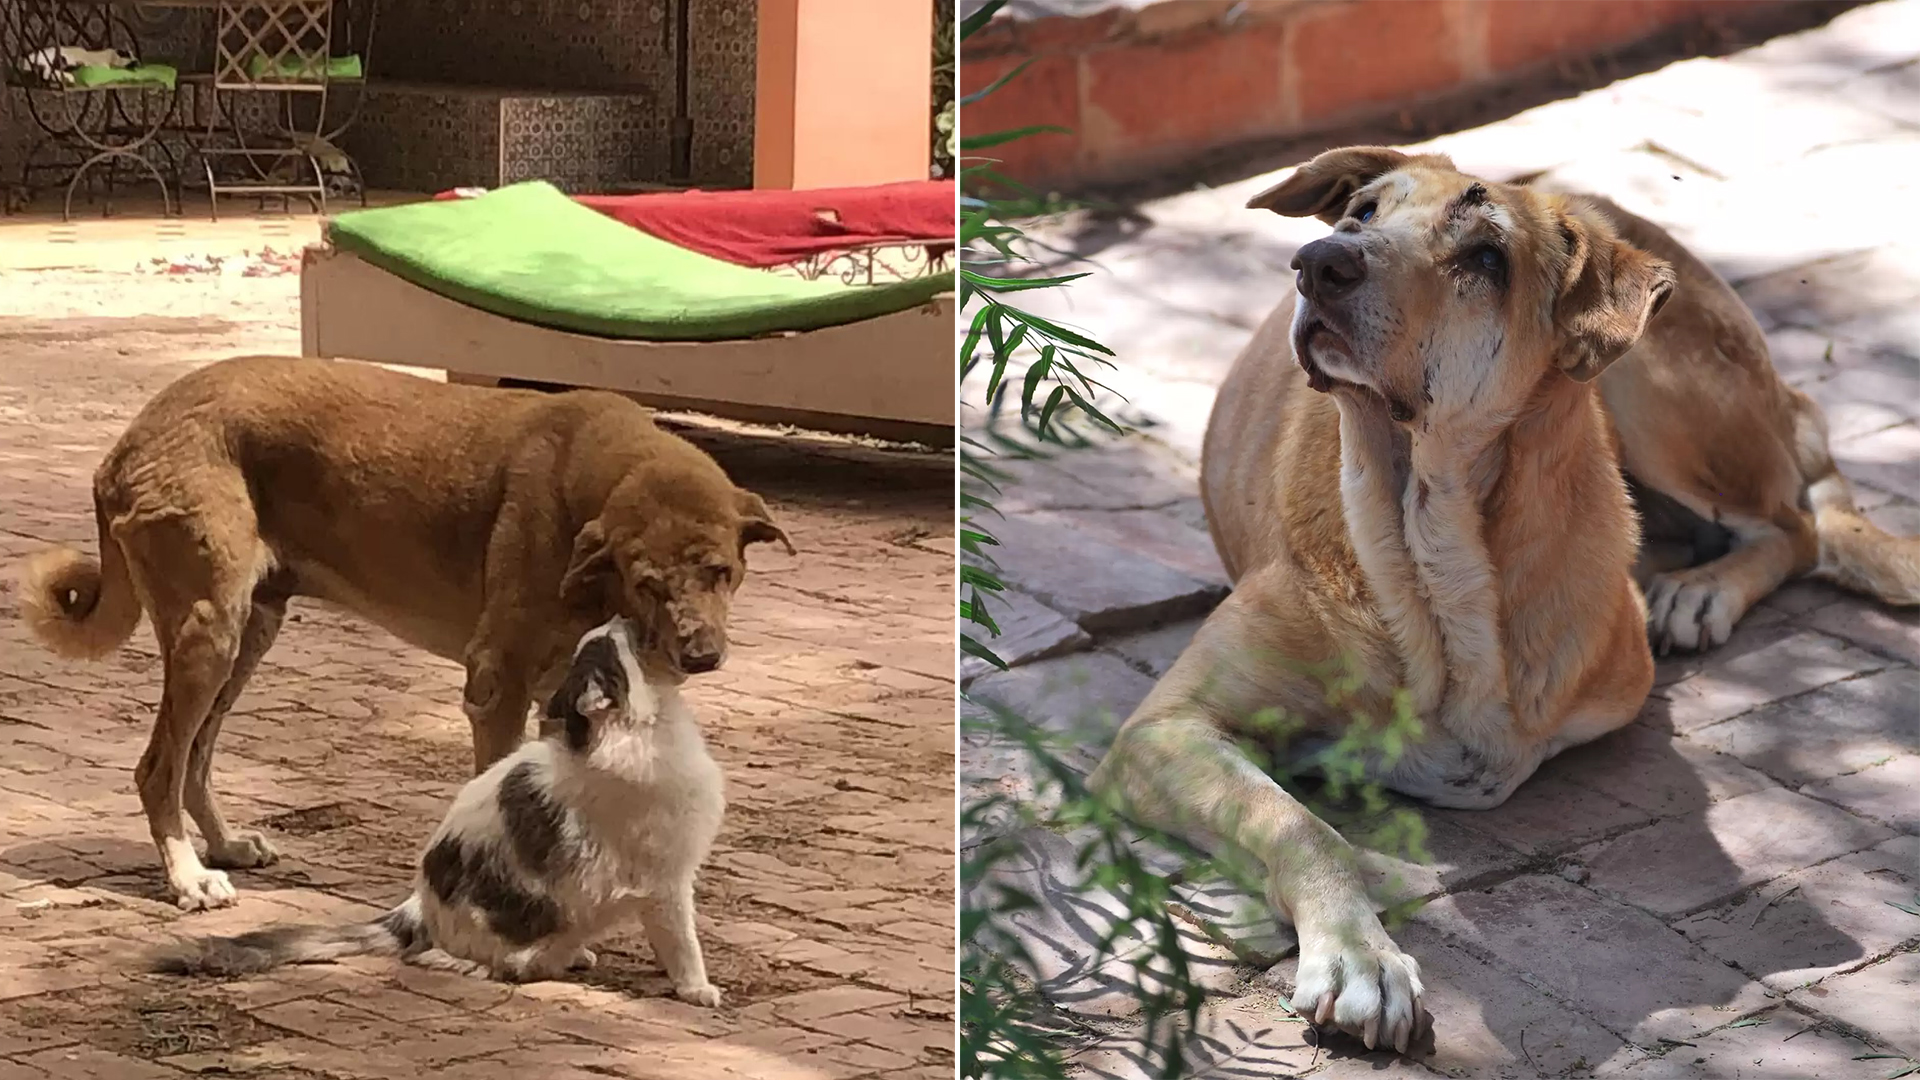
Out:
{"x": 492, "y": 527}
{"x": 1448, "y": 512}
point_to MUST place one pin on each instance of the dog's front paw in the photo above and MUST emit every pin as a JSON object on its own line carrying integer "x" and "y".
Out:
{"x": 243, "y": 851}
{"x": 1688, "y": 610}
{"x": 583, "y": 960}
{"x": 204, "y": 890}
{"x": 705, "y": 994}
{"x": 1354, "y": 978}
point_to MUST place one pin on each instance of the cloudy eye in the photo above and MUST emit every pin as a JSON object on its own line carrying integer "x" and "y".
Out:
{"x": 1364, "y": 212}
{"x": 1488, "y": 260}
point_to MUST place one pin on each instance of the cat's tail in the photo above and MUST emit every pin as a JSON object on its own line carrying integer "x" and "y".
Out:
{"x": 398, "y": 932}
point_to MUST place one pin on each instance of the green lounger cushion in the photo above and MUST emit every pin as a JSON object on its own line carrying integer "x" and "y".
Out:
{"x": 530, "y": 253}
{"x": 137, "y": 75}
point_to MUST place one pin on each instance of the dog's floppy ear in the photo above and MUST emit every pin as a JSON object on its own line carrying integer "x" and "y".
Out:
{"x": 591, "y": 562}
{"x": 756, "y": 523}
{"x": 594, "y": 691}
{"x": 1611, "y": 291}
{"x": 1321, "y": 187}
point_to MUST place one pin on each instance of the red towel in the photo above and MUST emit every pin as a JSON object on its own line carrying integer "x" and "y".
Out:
{"x": 773, "y": 228}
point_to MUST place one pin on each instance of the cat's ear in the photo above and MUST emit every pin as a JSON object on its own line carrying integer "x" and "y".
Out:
{"x": 593, "y": 692}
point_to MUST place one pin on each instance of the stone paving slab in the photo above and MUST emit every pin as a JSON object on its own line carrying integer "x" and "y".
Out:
{"x": 1029, "y": 630}
{"x": 1759, "y": 837}
{"x": 1840, "y": 728}
{"x": 1677, "y": 898}
{"x": 1883, "y": 792}
{"x": 1829, "y": 918}
{"x": 1639, "y": 979}
{"x": 1779, "y": 1043}
{"x": 1139, "y": 589}
{"x": 1877, "y": 999}
{"x": 832, "y": 721}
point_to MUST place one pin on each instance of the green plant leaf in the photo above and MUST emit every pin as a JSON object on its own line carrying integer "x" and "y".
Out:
{"x": 979, "y": 578}
{"x": 968, "y": 99}
{"x": 971, "y": 24}
{"x": 973, "y": 648}
{"x": 1061, "y": 333}
{"x": 998, "y": 138}
{"x": 1007, "y": 284}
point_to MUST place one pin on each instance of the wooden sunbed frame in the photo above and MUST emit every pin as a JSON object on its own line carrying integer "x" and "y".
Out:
{"x": 891, "y": 376}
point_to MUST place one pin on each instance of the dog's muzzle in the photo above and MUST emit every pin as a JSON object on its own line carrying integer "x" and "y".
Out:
{"x": 1329, "y": 269}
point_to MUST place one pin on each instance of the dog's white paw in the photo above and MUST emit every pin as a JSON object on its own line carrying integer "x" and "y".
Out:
{"x": 1688, "y": 610}
{"x": 705, "y": 994}
{"x": 243, "y": 850}
{"x": 1355, "y": 979}
{"x": 583, "y": 960}
{"x": 204, "y": 890}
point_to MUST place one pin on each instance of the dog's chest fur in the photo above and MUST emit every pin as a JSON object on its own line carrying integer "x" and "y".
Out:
{"x": 548, "y": 846}
{"x": 1414, "y": 515}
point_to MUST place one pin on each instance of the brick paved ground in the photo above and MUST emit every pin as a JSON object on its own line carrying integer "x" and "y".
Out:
{"x": 826, "y": 910}
{"x": 1730, "y": 887}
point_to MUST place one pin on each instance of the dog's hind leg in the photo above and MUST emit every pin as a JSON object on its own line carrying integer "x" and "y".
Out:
{"x": 1854, "y": 553}
{"x": 196, "y": 572}
{"x": 225, "y": 847}
{"x": 1697, "y": 607}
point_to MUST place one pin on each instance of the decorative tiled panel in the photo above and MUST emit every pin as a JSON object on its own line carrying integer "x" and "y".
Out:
{"x": 721, "y": 65}
{"x": 722, "y": 154}
{"x": 584, "y": 45}
{"x": 182, "y": 37}
{"x": 15, "y": 130}
{"x": 426, "y": 138}
{"x": 581, "y": 144}
{"x": 530, "y": 44}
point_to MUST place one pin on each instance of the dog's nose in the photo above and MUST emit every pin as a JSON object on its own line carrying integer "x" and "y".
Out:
{"x": 699, "y": 663}
{"x": 1330, "y": 268}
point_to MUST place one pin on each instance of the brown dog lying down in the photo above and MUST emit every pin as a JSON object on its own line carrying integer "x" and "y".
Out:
{"x": 1409, "y": 467}
{"x": 492, "y": 527}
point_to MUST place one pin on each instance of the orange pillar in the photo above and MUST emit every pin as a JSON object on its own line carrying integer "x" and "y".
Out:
{"x": 843, "y": 92}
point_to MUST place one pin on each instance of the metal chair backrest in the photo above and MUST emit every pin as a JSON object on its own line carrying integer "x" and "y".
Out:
{"x": 273, "y": 44}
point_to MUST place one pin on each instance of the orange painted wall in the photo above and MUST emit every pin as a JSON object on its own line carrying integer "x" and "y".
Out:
{"x": 844, "y": 92}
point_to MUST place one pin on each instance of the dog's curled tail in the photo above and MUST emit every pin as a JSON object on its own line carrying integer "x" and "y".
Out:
{"x": 1855, "y": 553}
{"x": 396, "y": 932}
{"x": 77, "y": 607}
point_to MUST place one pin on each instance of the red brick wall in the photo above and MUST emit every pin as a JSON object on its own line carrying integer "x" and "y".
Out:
{"x": 1139, "y": 90}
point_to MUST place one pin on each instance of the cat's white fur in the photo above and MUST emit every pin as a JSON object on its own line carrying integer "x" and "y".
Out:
{"x": 55, "y": 64}
{"x": 602, "y": 822}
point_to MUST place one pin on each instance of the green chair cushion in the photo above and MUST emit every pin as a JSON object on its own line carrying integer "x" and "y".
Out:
{"x": 92, "y": 75}
{"x": 288, "y": 67}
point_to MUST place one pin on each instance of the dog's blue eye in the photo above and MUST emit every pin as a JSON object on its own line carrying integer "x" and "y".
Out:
{"x": 1489, "y": 259}
{"x": 1365, "y": 213}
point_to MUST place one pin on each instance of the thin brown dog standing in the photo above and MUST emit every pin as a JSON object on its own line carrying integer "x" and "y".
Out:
{"x": 1409, "y": 467}
{"x": 490, "y": 527}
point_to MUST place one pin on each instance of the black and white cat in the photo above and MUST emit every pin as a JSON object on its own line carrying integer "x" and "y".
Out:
{"x": 601, "y": 822}
{"x": 54, "y": 65}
